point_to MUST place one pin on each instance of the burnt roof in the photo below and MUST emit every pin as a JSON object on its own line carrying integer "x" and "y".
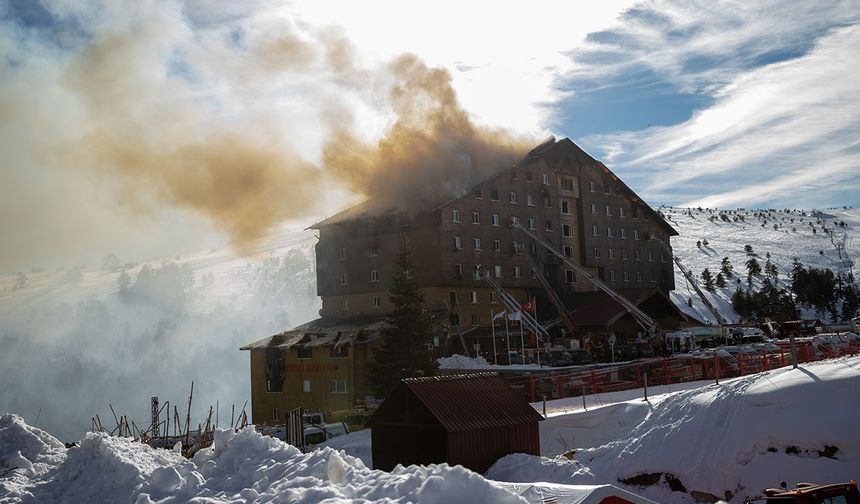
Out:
{"x": 555, "y": 153}
{"x": 467, "y": 402}
{"x": 318, "y": 332}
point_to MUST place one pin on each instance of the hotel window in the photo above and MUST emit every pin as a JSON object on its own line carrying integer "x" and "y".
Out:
{"x": 638, "y": 276}
{"x": 493, "y": 298}
{"x": 495, "y": 219}
{"x": 608, "y": 232}
{"x": 626, "y": 276}
{"x": 515, "y": 220}
{"x": 566, "y": 184}
{"x": 478, "y": 194}
{"x": 529, "y": 176}
{"x": 373, "y": 250}
{"x": 497, "y": 246}
{"x": 635, "y": 234}
{"x": 344, "y": 279}
{"x": 304, "y": 352}
{"x": 608, "y": 210}
{"x": 545, "y": 179}
{"x": 637, "y": 255}
{"x": 457, "y": 244}
{"x": 623, "y": 254}
{"x": 477, "y": 244}
{"x": 530, "y": 200}
{"x": 476, "y": 218}
{"x": 342, "y": 254}
{"x": 662, "y": 257}
{"x": 338, "y": 351}
{"x": 591, "y": 187}
{"x": 569, "y": 276}
{"x": 568, "y": 251}
{"x": 651, "y": 275}
{"x": 497, "y": 270}
{"x": 623, "y": 234}
{"x": 338, "y": 387}
{"x": 611, "y": 275}
{"x": 514, "y": 174}
{"x": 596, "y": 252}
{"x": 594, "y": 209}
{"x": 531, "y": 223}
{"x": 594, "y": 230}
{"x": 494, "y": 194}
{"x": 650, "y": 256}
{"x": 565, "y": 207}
{"x": 306, "y": 386}
{"x": 374, "y": 275}
{"x": 476, "y": 319}
{"x": 512, "y": 198}
{"x": 548, "y": 225}
{"x": 455, "y": 216}
{"x": 275, "y": 413}
{"x": 547, "y": 203}
{"x": 473, "y": 297}
{"x": 376, "y": 302}
{"x": 566, "y": 230}
{"x": 344, "y": 305}
{"x": 533, "y": 248}
{"x": 612, "y": 253}
{"x": 516, "y": 271}
{"x": 620, "y": 212}
{"x": 458, "y": 270}
{"x": 452, "y": 298}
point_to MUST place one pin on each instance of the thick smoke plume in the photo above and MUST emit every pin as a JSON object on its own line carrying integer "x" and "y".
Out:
{"x": 244, "y": 126}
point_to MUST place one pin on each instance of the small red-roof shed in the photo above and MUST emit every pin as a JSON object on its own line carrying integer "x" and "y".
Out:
{"x": 470, "y": 420}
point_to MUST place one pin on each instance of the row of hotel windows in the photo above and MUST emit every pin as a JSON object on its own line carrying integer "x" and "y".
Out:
{"x": 607, "y": 210}
{"x": 514, "y": 199}
{"x": 637, "y": 255}
{"x": 337, "y": 387}
{"x": 570, "y": 276}
{"x": 457, "y": 242}
{"x": 494, "y": 218}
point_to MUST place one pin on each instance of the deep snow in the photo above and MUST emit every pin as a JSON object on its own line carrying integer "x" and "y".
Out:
{"x": 739, "y": 436}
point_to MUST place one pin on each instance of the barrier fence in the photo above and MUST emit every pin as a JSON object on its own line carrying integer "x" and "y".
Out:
{"x": 714, "y": 364}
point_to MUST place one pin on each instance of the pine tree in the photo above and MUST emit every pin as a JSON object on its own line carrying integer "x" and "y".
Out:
{"x": 748, "y": 249}
{"x": 708, "y": 280}
{"x": 753, "y": 269}
{"x": 726, "y": 268}
{"x": 403, "y": 351}
{"x": 721, "y": 280}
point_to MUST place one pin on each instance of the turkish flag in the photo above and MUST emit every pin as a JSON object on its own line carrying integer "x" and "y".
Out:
{"x": 528, "y": 306}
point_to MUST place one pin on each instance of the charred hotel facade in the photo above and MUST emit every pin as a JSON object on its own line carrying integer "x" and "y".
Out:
{"x": 557, "y": 191}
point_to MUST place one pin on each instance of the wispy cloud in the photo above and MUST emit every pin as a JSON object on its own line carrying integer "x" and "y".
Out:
{"x": 782, "y": 125}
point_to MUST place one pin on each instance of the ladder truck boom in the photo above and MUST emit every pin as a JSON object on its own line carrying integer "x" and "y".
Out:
{"x": 553, "y": 297}
{"x": 641, "y": 317}
{"x": 692, "y": 280}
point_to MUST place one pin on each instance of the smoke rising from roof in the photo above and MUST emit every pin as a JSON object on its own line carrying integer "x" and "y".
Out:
{"x": 244, "y": 126}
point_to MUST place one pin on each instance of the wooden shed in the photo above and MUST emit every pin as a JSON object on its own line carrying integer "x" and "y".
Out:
{"x": 470, "y": 420}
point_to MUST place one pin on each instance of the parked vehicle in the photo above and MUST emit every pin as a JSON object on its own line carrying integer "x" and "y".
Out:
{"x": 556, "y": 358}
{"x": 315, "y": 434}
{"x": 810, "y": 493}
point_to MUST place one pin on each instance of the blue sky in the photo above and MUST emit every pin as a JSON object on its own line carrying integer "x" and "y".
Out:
{"x": 692, "y": 103}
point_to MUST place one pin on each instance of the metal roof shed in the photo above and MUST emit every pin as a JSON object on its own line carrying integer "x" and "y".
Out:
{"x": 470, "y": 420}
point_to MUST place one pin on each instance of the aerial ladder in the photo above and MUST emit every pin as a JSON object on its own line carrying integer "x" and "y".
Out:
{"x": 642, "y": 318}
{"x": 526, "y": 318}
{"x": 692, "y": 280}
{"x": 551, "y": 294}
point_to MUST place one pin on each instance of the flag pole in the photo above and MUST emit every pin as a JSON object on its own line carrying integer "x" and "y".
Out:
{"x": 508, "y": 338}
{"x": 493, "y": 324}
{"x": 537, "y": 335}
{"x": 522, "y": 340}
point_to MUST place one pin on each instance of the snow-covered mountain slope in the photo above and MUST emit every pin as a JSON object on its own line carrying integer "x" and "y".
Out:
{"x": 75, "y": 341}
{"x": 785, "y": 234}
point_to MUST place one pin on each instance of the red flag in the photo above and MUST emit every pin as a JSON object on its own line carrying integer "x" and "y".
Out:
{"x": 528, "y": 306}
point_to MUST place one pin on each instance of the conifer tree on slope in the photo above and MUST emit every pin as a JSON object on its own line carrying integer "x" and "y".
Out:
{"x": 403, "y": 351}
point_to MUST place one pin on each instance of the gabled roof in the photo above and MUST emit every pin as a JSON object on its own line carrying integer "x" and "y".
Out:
{"x": 467, "y": 402}
{"x": 554, "y": 152}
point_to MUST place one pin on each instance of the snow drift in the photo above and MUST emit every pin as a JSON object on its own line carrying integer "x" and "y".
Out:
{"x": 243, "y": 466}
